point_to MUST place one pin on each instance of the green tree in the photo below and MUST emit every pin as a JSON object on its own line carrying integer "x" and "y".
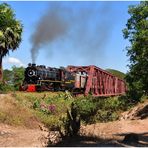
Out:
{"x": 136, "y": 32}
{"x": 7, "y": 76}
{"x": 10, "y": 32}
{"x": 18, "y": 76}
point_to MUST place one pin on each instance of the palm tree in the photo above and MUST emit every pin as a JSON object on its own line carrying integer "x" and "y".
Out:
{"x": 10, "y": 32}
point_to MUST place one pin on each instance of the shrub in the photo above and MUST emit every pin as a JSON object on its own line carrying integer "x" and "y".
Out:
{"x": 101, "y": 109}
{"x": 86, "y": 108}
{"x": 70, "y": 123}
{"x": 106, "y": 115}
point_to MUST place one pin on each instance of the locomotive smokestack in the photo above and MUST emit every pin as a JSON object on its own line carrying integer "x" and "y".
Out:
{"x": 33, "y": 64}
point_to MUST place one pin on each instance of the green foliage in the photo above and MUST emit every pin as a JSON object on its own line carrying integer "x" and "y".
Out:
{"x": 7, "y": 76}
{"x": 117, "y": 73}
{"x": 106, "y": 115}
{"x": 18, "y": 76}
{"x": 101, "y": 109}
{"x": 86, "y": 107}
{"x": 10, "y": 32}
{"x": 136, "y": 32}
{"x": 12, "y": 79}
{"x": 110, "y": 108}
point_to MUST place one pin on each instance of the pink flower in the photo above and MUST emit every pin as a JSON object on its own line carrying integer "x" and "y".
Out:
{"x": 52, "y": 108}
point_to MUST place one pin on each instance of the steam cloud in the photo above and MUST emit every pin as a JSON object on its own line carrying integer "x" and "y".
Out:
{"x": 88, "y": 34}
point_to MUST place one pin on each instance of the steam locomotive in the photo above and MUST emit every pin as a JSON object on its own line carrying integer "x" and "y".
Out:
{"x": 42, "y": 78}
{"x": 78, "y": 79}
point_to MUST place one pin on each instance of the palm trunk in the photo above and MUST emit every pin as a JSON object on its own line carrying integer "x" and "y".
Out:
{"x": 1, "y": 70}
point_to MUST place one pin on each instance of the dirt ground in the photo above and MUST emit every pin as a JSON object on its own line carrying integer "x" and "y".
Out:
{"x": 19, "y": 137}
{"x": 101, "y": 134}
{"x": 114, "y": 132}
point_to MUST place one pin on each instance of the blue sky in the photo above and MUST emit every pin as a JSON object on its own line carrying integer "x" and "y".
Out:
{"x": 93, "y": 39}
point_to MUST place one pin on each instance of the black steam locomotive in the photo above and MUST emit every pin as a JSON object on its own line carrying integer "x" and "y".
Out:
{"x": 39, "y": 78}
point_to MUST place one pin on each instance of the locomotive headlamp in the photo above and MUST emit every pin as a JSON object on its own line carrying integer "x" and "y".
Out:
{"x": 31, "y": 73}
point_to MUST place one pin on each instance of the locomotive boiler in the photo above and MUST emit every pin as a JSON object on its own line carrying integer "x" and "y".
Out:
{"x": 77, "y": 79}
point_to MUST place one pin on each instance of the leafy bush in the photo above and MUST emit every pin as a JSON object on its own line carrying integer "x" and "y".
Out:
{"x": 101, "y": 109}
{"x": 106, "y": 115}
{"x": 110, "y": 108}
{"x": 86, "y": 108}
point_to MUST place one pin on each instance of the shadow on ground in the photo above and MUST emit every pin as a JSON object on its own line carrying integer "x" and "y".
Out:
{"x": 88, "y": 141}
{"x": 135, "y": 139}
{"x": 85, "y": 141}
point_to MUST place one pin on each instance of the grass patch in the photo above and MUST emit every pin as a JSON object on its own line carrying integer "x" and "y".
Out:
{"x": 47, "y": 107}
{"x": 13, "y": 113}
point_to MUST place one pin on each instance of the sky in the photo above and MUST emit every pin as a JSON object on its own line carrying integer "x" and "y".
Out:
{"x": 71, "y": 33}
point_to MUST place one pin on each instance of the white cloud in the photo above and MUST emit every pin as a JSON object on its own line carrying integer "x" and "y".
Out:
{"x": 14, "y": 61}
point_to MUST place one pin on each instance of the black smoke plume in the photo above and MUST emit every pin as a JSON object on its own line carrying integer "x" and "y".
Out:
{"x": 61, "y": 21}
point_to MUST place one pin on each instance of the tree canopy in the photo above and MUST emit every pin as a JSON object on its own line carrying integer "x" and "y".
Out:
{"x": 10, "y": 32}
{"x": 136, "y": 32}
